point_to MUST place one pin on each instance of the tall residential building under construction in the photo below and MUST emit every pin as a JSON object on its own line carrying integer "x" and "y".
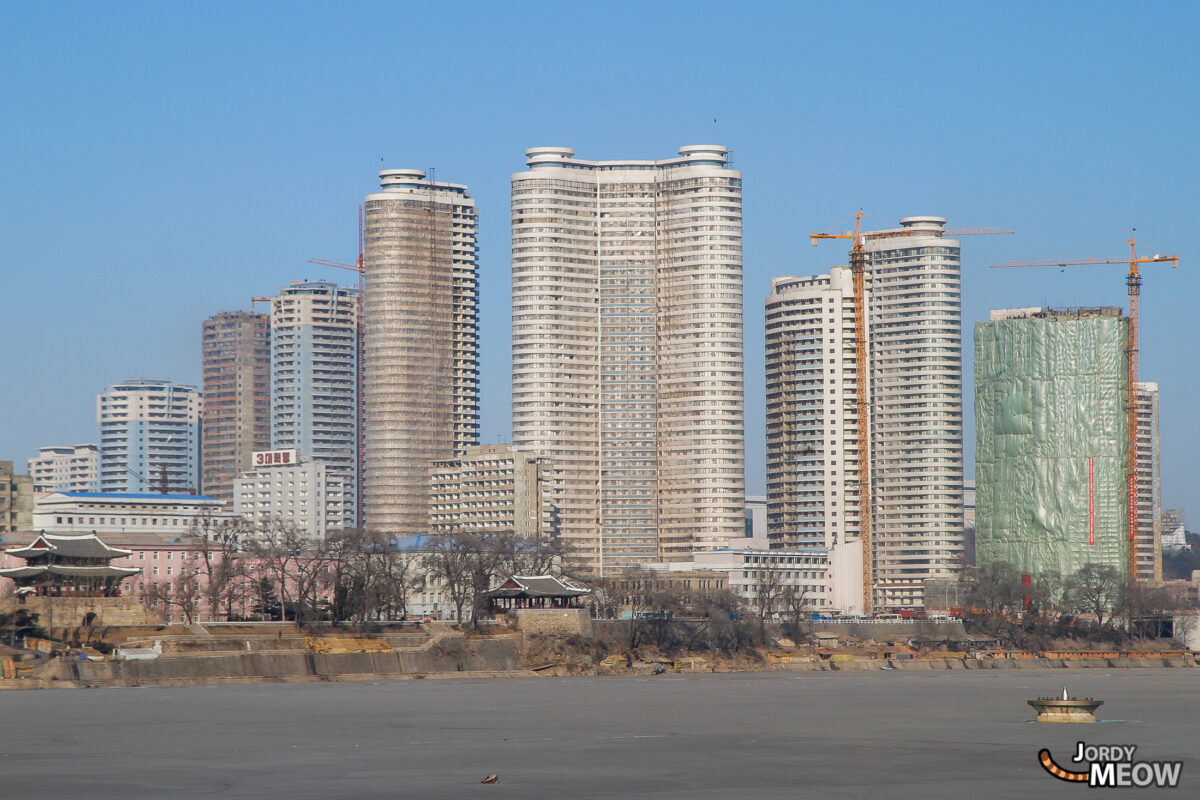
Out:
{"x": 1149, "y": 485}
{"x": 627, "y": 348}
{"x": 1050, "y": 431}
{"x": 314, "y": 383}
{"x": 912, "y": 336}
{"x": 421, "y": 343}
{"x": 235, "y": 361}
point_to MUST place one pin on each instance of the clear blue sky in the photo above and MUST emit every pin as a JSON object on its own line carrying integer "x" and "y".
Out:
{"x": 165, "y": 161}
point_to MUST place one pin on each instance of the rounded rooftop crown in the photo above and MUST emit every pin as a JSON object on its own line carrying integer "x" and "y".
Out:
{"x": 923, "y": 223}
{"x": 400, "y": 177}
{"x": 693, "y": 153}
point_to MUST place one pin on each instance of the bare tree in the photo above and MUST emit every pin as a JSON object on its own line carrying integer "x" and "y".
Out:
{"x": 996, "y": 589}
{"x": 768, "y": 591}
{"x": 297, "y": 564}
{"x": 183, "y": 593}
{"x": 218, "y": 542}
{"x": 1095, "y": 589}
{"x": 796, "y": 609}
{"x": 451, "y": 564}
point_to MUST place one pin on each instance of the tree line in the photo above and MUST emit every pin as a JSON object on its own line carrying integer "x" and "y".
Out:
{"x": 1096, "y": 603}
{"x": 242, "y": 571}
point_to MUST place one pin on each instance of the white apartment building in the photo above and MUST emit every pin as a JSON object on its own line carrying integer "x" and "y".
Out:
{"x": 627, "y": 348}
{"x": 149, "y": 434}
{"x": 812, "y": 426}
{"x": 752, "y": 574}
{"x": 286, "y": 488}
{"x": 74, "y": 468}
{"x": 1149, "y": 485}
{"x": 421, "y": 348}
{"x": 114, "y": 513}
{"x": 495, "y": 489}
{"x": 314, "y": 385}
{"x": 916, "y": 459}
{"x": 914, "y": 389}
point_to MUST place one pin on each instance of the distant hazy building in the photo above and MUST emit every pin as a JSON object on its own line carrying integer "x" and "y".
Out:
{"x": 286, "y": 488}
{"x": 756, "y": 518}
{"x": 1050, "y": 455}
{"x": 421, "y": 343}
{"x": 495, "y": 489}
{"x": 1149, "y": 485}
{"x": 16, "y": 499}
{"x": 1174, "y": 535}
{"x": 121, "y": 513}
{"x": 235, "y": 358}
{"x": 627, "y": 348}
{"x": 761, "y": 575}
{"x": 149, "y": 436}
{"x": 314, "y": 383}
{"x": 73, "y": 468}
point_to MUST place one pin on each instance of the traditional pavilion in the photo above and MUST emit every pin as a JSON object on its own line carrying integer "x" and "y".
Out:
{"x": 68, "y": 566}
{"x": 535, "y": 591}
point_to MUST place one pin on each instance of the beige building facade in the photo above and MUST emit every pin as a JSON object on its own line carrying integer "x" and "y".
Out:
{"x": 627, "y": 348}
{"x": 74, "y": 468}
{"x": 495, "y": 489}
{"x": 421, "y": 343}
{"x": 16, "y": 499}
{"x": 235, "y": 361}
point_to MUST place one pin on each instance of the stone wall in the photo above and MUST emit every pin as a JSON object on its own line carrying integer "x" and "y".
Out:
{"x": 72, "y": 612}
{"x": 561, "y": 621}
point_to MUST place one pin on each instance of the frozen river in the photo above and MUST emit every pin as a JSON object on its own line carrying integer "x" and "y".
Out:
{"x": 877, "y": 735}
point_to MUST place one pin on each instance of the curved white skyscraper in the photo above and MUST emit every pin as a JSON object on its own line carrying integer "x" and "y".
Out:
{"x": 627, "y": 348}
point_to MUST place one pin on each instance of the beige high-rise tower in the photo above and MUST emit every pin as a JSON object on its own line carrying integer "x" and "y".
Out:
{"x": 421, "y": 350}
{"x": 627, "y": 348}
{"x": 236, "y": 361}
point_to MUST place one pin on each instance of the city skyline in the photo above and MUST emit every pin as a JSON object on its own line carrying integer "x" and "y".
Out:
{"x": 1061, "y": 162}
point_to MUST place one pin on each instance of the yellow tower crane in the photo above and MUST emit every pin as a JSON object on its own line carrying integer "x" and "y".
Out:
{"x": 858, "y": 268}
{"x": 1133, "y": 281}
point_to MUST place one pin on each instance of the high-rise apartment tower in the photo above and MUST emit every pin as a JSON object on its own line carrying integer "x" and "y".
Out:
{"x": 149, "y": 437}
{"x": 421, "y": 343}
{"x": 314, "y": 381}
{"x": 1149, "y": 486}
{"x": 812, "y": 426}
{"x": 627, "y": 348}
{"x": 914, "y": 390}
{"x": 235, "y": 359}
{"x": 1050, "y": 444}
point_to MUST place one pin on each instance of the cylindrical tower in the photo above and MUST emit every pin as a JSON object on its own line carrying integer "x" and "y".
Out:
{"x": 421, "y": 348}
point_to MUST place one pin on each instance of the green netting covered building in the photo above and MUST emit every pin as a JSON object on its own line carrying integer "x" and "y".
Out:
{"x": 1050, "y": 443}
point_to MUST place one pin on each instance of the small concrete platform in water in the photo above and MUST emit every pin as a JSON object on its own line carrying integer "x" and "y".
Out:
{"x": 1065, "y": 708}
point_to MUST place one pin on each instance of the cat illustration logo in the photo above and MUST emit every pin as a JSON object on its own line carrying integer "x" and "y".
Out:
{"x": 1113, "y": 765}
